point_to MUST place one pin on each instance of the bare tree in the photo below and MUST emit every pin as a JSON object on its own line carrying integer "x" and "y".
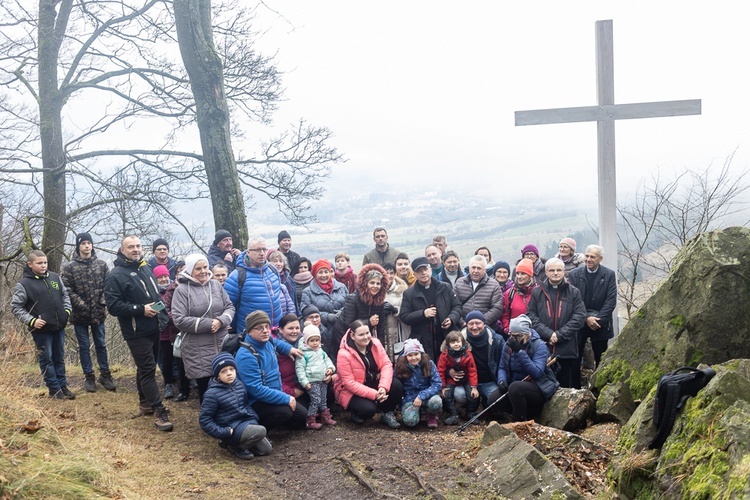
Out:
{"x": 664, "y": 215}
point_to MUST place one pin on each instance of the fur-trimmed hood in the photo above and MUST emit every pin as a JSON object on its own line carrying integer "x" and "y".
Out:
{"x": 398, "y": 286}
{"x": 364, "y": 295}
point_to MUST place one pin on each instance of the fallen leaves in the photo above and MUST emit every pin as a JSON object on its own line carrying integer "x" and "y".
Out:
{"x": 30, "y": 426}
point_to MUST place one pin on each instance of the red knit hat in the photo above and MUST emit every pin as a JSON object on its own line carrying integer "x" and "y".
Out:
{"x": 160, "y": 271}
{"x": 320, "y": 263}
{"x": 525, "y": 266}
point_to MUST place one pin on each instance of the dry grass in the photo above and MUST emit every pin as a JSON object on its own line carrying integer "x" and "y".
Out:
{"x": 92, "y": 447}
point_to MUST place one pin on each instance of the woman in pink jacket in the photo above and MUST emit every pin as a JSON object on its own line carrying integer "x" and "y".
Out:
{"x": 365, "y": 384}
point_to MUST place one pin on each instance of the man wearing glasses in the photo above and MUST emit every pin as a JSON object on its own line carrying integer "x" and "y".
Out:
{"x": 255, "y": 285}
{"x": 557, "y": 313}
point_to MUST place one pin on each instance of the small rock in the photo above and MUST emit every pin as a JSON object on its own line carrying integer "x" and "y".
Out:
{"x": 569, "y": 409}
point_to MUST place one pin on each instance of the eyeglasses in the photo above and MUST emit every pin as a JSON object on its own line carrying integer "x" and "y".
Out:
{"x": 261, "y": 328}
{"x": 258, "y": 250}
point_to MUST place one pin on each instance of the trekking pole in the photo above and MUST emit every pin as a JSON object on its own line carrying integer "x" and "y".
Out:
{"x": 475, "y": 417}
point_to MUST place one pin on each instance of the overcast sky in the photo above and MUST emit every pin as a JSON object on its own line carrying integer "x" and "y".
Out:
{"x": 428, "y": 89}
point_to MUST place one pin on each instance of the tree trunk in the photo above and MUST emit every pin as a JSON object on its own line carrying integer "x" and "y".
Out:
{"x": 51, "y": 30}
{"x": 204, "y": 68}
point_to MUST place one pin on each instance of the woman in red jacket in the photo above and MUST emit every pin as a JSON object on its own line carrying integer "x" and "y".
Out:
{"x": 517, "y": 298}
{"x": 364, "y": 383}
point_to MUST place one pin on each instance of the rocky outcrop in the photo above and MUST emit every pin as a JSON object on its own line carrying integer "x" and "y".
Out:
{"x": 707, "y": 455}
{"x": 569, "y": 409}
{"x": 700, "y": 314}
{"x": 615, "y": 404}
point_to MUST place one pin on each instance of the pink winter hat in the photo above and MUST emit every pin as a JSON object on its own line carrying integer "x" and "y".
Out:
{"x": 160, "y": 271}
{"x": 309, "y": 332}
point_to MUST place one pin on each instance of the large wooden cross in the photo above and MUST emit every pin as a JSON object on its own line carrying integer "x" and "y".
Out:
{"x": 605, "y": 114}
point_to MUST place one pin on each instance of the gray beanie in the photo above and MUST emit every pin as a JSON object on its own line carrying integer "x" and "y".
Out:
{"x": 520, "y": 324}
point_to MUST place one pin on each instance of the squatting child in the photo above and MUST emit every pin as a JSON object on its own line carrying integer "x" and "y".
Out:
{"x": 314, "y": 371}
{"x": 226, "y": 415}
{"x": 421, "y": 382}
{"x": 42, "y": 303}
{"x": 455, "y": 353}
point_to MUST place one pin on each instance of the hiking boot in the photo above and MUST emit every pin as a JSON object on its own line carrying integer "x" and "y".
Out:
{"x": 56, "y": 395}
{"x": 390, "y": 420}
{"x": 472, "y": 415}
{"x": 182, "y": 397}
{"x": 432, "y": 421}
{"x": 168, "y": 391}
{"x": 89, "y": 385}
{"x": 144, "y": 409}
{"x": 452, "y": 420}
{"x": 357, "y": 419}
{"x": 241, "y": 453}
{"x": 67, "y": 393}
{"x": 325, "y": 417}
{"x": 161, "y": 419}
{"x": 105, "y": 378}
{"x": 312, "y": 423}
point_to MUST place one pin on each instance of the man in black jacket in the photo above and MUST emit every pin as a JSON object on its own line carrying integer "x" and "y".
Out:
{"x": 430, "y": 308}
{"x": 598, "y": 286}
{"x": 133, "y": 296}
{"x": 557, "y": 313}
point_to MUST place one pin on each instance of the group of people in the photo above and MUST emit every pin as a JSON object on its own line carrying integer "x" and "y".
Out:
{"x": 417, "y": 336}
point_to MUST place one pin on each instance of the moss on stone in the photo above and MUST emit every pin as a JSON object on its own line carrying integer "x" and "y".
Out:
{"x": 615, "y": 371}
{"x": 641, "y": 381}
{"x": 696, "y": 358}
{"x": 677, "y": 321}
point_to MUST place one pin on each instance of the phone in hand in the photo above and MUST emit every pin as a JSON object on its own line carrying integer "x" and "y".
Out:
{"x": 158, "y": 306}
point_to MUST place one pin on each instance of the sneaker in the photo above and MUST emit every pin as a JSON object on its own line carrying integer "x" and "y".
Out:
{"x": 67, "y": 393}
{"x": 432, "y": 421}
{"x": 357, "y": 419}
{"x": 168, "y": 391}
{"x": 161, "y": 419}
{"x": 312, "y": 423}
{"x": 241, "y": 453}
{"x": 89, "y": 385}
{"x": 325, "y": 417}
{"x": 390, "y": 420}
{"x": 452, "y": 420}
{"x": 105, "y": 378}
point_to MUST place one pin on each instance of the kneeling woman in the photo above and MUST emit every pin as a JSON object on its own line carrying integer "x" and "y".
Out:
{"x": 421, "y": 381}
{"x": 365, "y": 384}
{"x": 523, "y": 373}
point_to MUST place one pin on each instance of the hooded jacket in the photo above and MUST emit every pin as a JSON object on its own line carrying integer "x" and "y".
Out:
{"x": 350, "y": 379}
{"x": 127, "y": 289}
{"x": 260, "y": 292}
{"x": 41, "y": 297}
{"x": 558, "y": 310}
{"x": 515, "y": 302}
{"x": 531, "y": 361}
{"x": 464, "y": 364}
{"x": 312, "y": 366}
{"x": 194, "y": 307}
{"x": 225, "y": 407}
{"x": 260, "y": 374}
{"x": 84, "y": 279}
{"x": 329, "y": 304}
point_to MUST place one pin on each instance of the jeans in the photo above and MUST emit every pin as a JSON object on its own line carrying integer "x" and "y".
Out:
{"x": 410, "y": 414}
{"x": 51, "y": 353}
{"x": 145, "y": 350}
{"x": 84, "y": 350}
{"x": 484, "y": 388}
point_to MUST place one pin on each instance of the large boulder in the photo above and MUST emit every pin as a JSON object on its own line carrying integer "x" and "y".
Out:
{"x": 700, "y": 314}
{"x": 569, "y": 409}
{"x": 515, "y": 469}
{"x": 707, "y": 455}
{"x": 615, "y": 404}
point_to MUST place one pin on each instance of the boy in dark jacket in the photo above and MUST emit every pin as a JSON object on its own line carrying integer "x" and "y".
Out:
{"x": 226, "y": 414}
{"x": 41, "y": 302}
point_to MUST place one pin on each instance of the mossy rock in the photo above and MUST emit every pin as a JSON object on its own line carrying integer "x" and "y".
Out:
{"x": 707, "y": 455}
{"x": 700, "y": 314}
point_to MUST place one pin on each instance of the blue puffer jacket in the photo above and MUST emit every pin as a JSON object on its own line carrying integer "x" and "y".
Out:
{"x": 530, "y": 361}
{"x": 328, "y": 304}
{"x": 420, "y": 386}
{"x": 252, "y": 374}
{"x": 261, "y": 292}
{"x": 225, "y": 407}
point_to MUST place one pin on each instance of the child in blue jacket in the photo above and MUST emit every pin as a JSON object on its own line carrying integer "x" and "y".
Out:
{"x": 422, "y": 385}
{"x": 226, "y": 414}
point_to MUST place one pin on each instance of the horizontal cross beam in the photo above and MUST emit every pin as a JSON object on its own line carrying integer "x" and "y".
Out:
{"x": 609, "y": 112}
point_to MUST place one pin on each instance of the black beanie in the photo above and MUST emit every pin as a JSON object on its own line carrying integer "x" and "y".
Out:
{"x": 81, "y": 237}
{"x": 220, "y": 235}
{"x": 159, "y": 242}
{"x": 284, "y": 234}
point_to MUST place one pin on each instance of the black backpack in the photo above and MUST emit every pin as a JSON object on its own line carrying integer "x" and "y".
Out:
{"x": 672, "y": 392}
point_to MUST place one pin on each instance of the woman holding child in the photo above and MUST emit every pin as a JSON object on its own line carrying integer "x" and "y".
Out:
{"x": 202, "y": 311}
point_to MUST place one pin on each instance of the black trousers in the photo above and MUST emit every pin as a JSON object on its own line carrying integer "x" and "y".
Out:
{"x": 598, "y": 346}
{"x": 145, "y": 351}
{"x": 524, "y": 400}
{"x": 570, "y": 373}
{"x": 272, "y": 416}
{"x": 367, "y": 408}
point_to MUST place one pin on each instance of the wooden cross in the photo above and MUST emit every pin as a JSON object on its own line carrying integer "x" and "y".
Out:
{"x": 605, "y": 115}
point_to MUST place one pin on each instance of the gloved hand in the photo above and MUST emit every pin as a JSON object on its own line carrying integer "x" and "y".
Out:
{"x": 502, "y": 387}
{"x": 514, "y": 344}
{"x": 389, "y": 309}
